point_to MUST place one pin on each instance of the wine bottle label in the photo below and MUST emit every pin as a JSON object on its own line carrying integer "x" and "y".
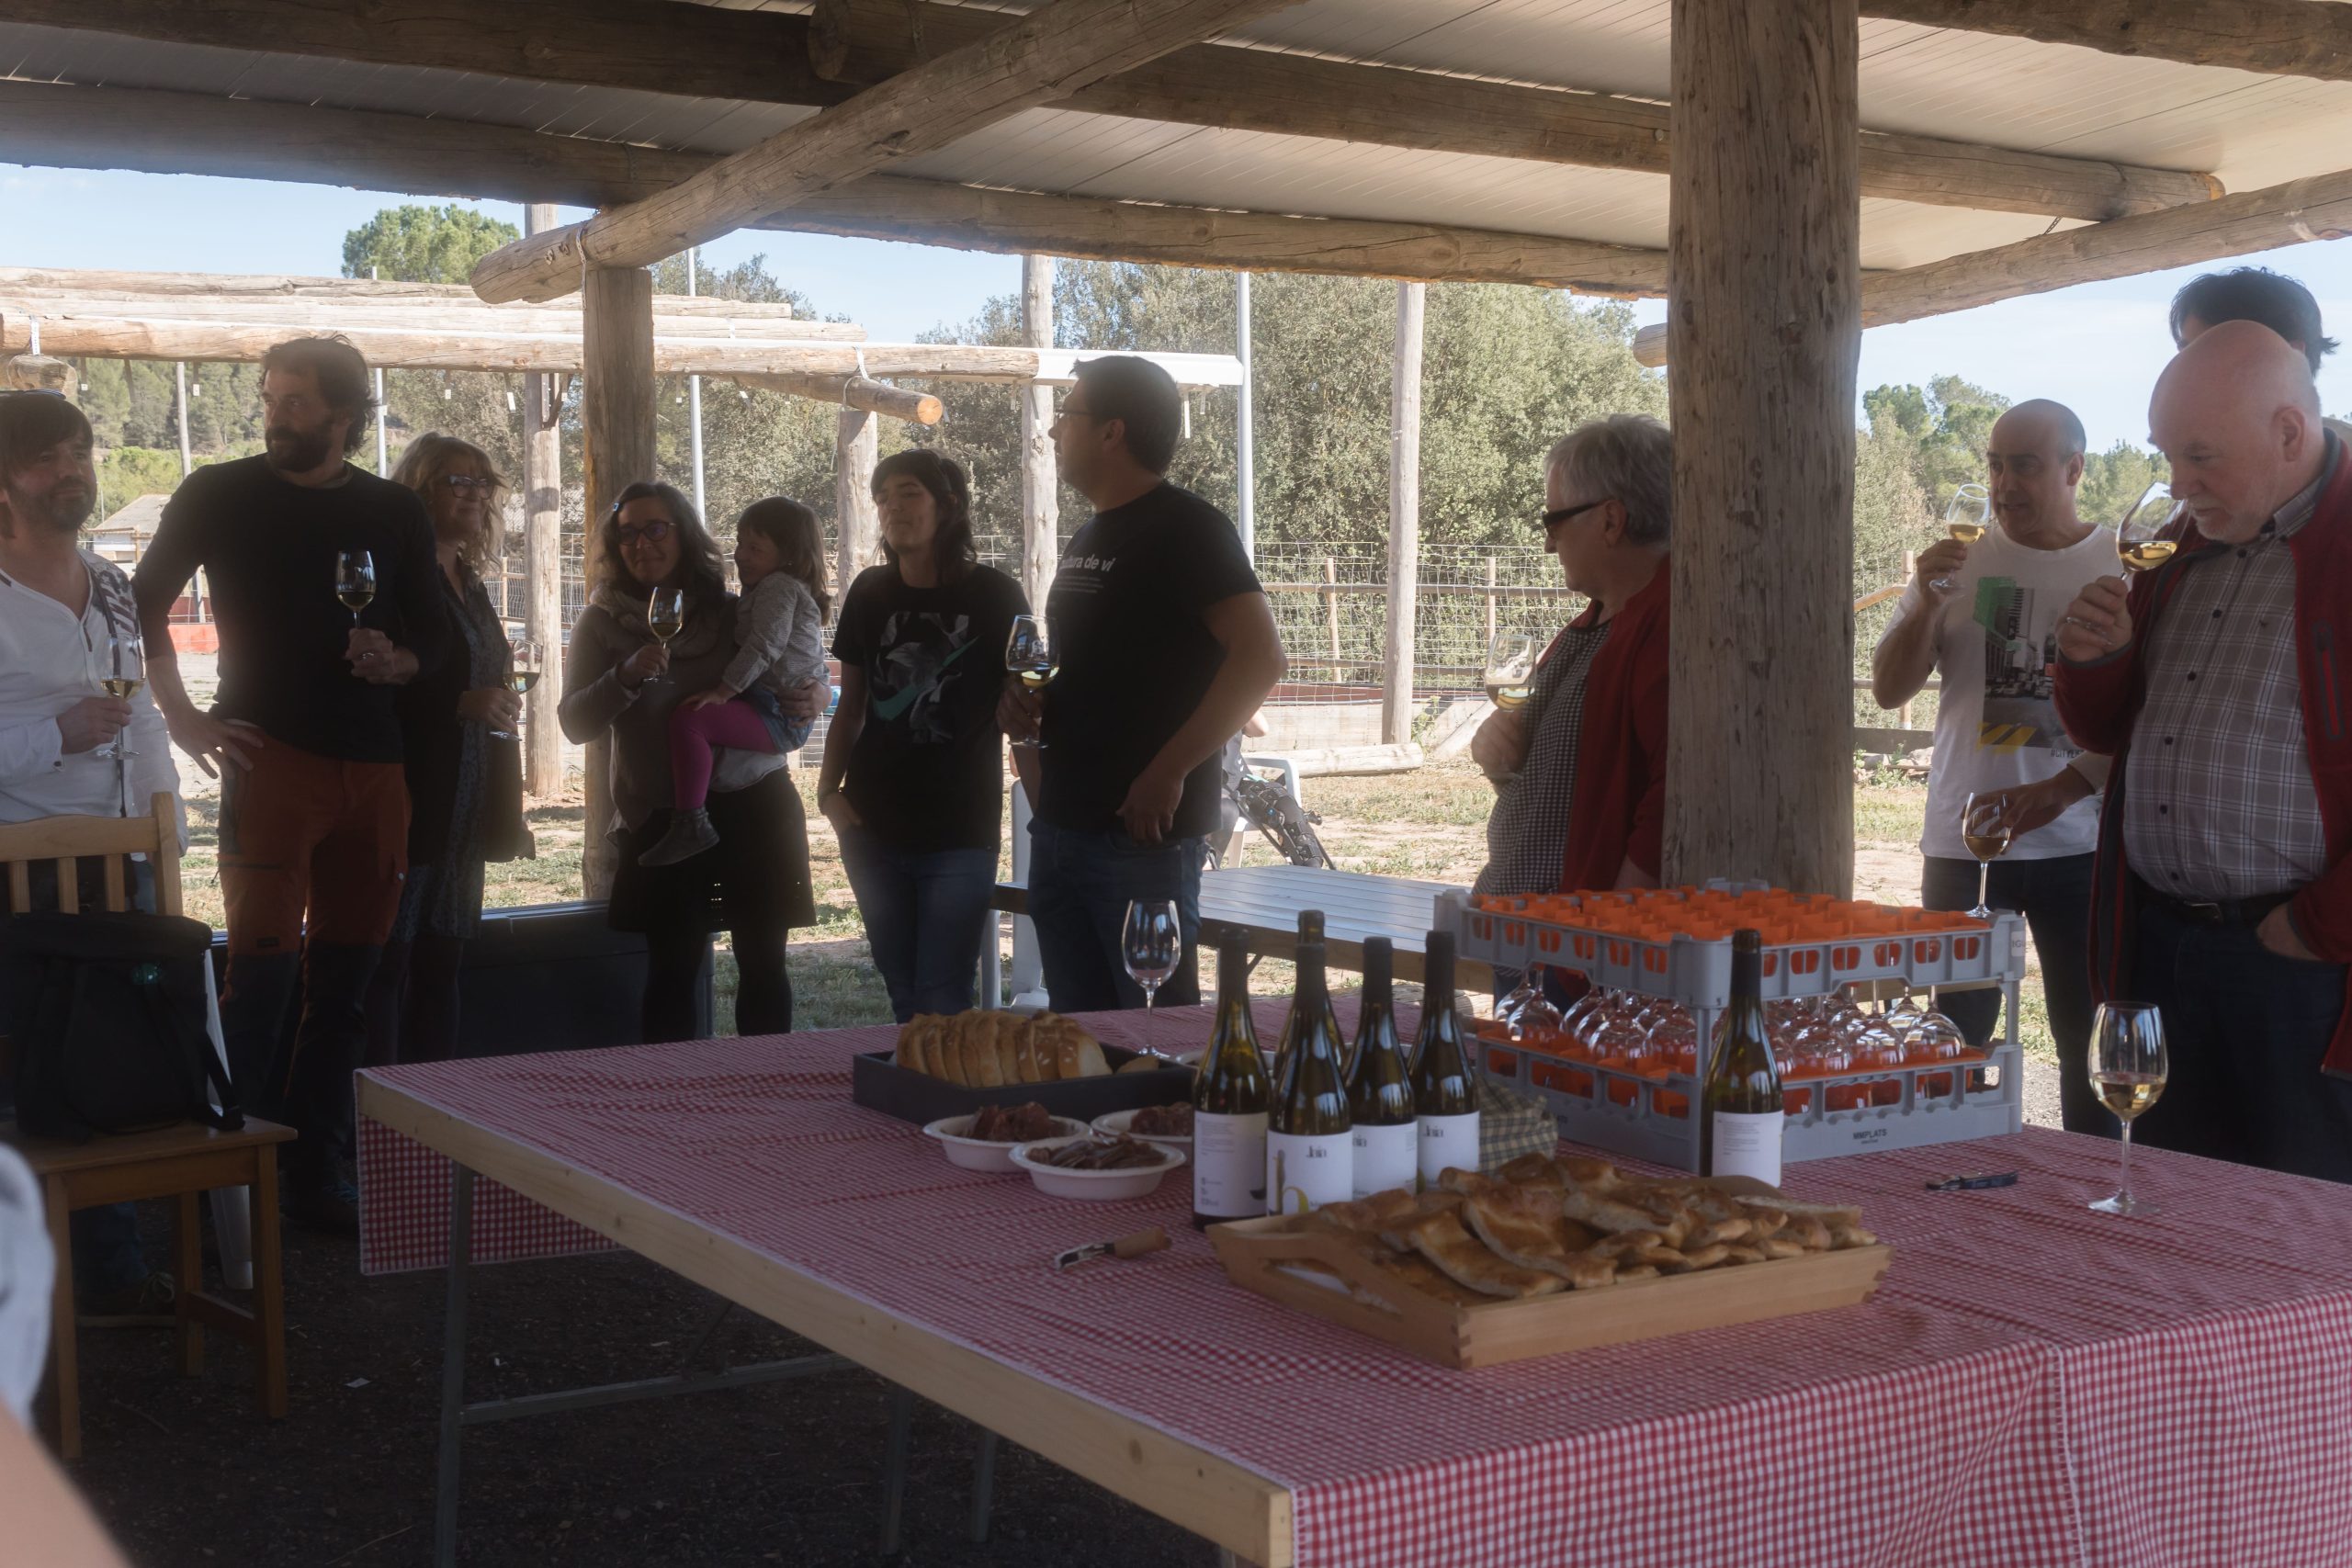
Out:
{"x": 1304, "y": 1171}
{"x": 1386, "y": 1159}
{"x": 1447, "y": 1141}
{"x": 1229, "y": 1166}
{"x": 1748, "y": 1145}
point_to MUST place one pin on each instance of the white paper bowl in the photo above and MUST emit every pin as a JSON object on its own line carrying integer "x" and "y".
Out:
{"x": 1118, "y": 1123}
{"x": 1099, "y": 1185}
{"x": 984, "y": 1154}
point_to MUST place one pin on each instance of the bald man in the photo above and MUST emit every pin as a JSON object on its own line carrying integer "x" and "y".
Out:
{"x": 1984, "y": 614}
{"x": 2224, "y": 892}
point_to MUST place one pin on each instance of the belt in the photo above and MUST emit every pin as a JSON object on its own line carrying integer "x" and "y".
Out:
{"x": 2215, "y": 911}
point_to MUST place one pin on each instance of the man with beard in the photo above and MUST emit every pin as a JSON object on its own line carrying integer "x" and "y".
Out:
{"x": 303, "y": 733}
{"x": 60, "y": 604}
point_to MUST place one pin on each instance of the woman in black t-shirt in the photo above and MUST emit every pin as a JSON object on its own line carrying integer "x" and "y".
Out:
{"x": 913, "y": 777}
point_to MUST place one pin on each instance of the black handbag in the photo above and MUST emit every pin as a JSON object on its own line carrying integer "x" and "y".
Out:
{"x": 107, "y": 1017}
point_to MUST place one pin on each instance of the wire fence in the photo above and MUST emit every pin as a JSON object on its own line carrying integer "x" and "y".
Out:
{"x": 1332, "y": 609}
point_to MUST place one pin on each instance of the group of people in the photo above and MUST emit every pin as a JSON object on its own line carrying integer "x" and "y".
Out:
{"x": 2171, "y": 757}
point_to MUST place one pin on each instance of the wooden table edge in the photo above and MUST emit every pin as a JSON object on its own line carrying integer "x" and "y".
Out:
{"x": 1205, "y": 1493}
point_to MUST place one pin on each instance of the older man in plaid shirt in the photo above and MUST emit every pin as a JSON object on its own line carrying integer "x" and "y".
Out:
{"x": 2224, "y": 892}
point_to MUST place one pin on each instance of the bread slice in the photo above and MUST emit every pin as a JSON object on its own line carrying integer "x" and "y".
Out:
{"x": 1024, "y": 1053}
{"x": 981, "y": 1068}
{"x": 1004, "y": 1033}
{"x": 1039, "y": 1036}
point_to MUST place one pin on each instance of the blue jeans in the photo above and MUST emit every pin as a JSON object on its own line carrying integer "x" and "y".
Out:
{"x": 2244, "y": 1031}
{"x": 1079, "y": 885}
{"x": 925, "y": 915}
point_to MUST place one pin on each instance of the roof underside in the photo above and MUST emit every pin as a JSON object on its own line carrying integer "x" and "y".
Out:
{"x": 2249, "y": 130}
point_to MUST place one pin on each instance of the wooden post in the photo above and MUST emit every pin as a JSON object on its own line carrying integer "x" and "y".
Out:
{"x": 1910, "y": 565}
{"x": 1764, "y": 298}
{"x": 616, "y": 403}
{"x": 1331, "y": 610}
{"x": 179, "y": 417}
{"x": 542, "y": 560}
{"x": 1040, "y": 494}
{"x": 1404, "y": 518}
{"x": 856, "y": 441}
{"x": 1493, "y": 622}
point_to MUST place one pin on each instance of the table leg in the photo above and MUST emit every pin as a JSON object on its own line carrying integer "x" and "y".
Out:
{"x": 894, "y": 1468}
{"x": 187, "y": 1260}
{"x": 983, "y": 1487}
{"x": 269, "y": 1282}
{"x": 65, "y": 1359}
{"x": 452, "y": 1365}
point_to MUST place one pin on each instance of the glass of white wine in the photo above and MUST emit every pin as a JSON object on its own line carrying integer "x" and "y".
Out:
{"x": 2127, "y": 1067}
{"x": 665, "y": 616}
{"x": 2137, "y": 542}
{"x": 121, "y": 669}
{"x": 524, "y": 659}
{"x": 1029, "y": 654}
{"x": 1512, "y": 659}
{"x": 355, "y": 580}
{"x": 1151, "y": 941}
{"x": 1985, "y": 828}
{"x": 1965, "y": 520}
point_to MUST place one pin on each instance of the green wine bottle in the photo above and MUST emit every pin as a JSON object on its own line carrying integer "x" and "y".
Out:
{"x": 1380, "y": 1099}
{"x": 1230, "y": 1096}
{"x": 1310, "y": 1153}
{"x": 1444, "y": 1076}
{"x": 1740, "y": 1109}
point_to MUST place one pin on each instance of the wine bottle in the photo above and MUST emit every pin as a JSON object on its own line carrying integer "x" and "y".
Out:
{"x": 1443, "y": 1077}
{"x": 1310, "y": 1154}
{"x": 1310, "y": 929}
{"x": 1231, "y": 1095}
{"x": 1380, "y": 1100}
{"x": 1741, "y": 1116}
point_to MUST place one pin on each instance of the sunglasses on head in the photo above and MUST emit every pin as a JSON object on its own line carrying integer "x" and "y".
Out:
{"x": 651, "y": 532}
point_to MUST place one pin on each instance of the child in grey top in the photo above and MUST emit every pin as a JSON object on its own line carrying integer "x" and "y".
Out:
{"x": 780, "y": 639}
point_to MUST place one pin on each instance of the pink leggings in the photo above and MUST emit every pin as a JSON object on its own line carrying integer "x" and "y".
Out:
{"x": 695, "y": 731}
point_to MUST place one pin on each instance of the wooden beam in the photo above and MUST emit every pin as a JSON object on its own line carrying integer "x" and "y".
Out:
{"x": 1046, "y": 55}
{"x": 543, "y": 561}
{"x": 1766, "y": 234}
{"x": 186, "y": 133}
{"x": 701, "y": 51}
{"x": 1234, "y": 87}
{"x": 1041, "y": 540}
{"x": 854, "y": 391}
{"x": 617, "y": 420}
{"x": 1404, "y": 517}
{"x": 2279, "y": 38}
{"x": 2318, "y": 208}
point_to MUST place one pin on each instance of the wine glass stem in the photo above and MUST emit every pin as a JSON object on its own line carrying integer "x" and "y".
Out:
{"x": 2127, "y": 1165}
{"x": 1984, "y": 884}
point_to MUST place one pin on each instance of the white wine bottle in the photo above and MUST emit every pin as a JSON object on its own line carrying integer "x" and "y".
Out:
{"x": 1741, "y": 1111}
{"x": 1445, "y": 1078}
{"x": 1380, "y": 1099}
{"x": 1310, "y": 1154}
{"x": 1310, "y": 929}
{"x": 1231, "y": 1095}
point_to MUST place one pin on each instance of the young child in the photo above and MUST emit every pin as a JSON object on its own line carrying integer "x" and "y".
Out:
{"x": 780, "y": 634}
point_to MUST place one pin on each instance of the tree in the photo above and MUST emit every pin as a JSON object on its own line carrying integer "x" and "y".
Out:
{"x": 424, "y": 245}
{"x": 2113, "y": 480}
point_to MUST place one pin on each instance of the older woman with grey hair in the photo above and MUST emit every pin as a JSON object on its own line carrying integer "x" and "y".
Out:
{"x": 1580, "y": 772}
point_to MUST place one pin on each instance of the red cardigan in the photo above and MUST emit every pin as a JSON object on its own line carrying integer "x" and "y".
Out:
{"x": 2100, "y": 702}
{"x": 1619, "y": 812}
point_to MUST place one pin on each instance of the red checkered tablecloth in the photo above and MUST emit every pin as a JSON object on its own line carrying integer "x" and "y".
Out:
{"x": 2032, "y": 1384}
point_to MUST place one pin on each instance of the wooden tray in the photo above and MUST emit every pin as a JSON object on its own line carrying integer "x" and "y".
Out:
{"x": 1259, "y": 1255}
{"x": 879, "y": 1084}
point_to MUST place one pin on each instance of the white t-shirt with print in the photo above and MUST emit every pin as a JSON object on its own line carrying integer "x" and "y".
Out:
{"x": 1995, "y": 725}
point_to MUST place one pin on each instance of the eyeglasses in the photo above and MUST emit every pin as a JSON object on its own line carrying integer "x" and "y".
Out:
{"x": 1559, "y": 515}
{"x": 651, "y": 532}
{"x": 464, "y": 483}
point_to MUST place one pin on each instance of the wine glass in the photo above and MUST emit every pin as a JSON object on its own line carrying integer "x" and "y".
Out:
{"x": 1029, "y": 654}
{"x": 2137, "y": 544}
{"x": 1149, "y": 941}
{"x": 665, "y": 616}
{"x": 121, "y": 669}
{"x": 355, "y": 580}
{"x": 1985, "y": 828}
{"x": 1510, "y": 670}
{"x": 2127, "y": 1067}
{"x": 525, "y": 657}
{"x": 1966, "y": 519}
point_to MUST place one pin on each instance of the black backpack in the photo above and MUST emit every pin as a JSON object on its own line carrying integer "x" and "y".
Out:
{"x": 107, "y": 1017}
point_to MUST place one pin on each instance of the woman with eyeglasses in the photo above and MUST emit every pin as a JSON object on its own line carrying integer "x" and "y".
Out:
{"x": 626, "y": 671}
{"x": 465, "y": 773}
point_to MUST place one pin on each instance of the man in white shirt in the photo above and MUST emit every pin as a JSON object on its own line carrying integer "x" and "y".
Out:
{"x": 59, "y": 607}
{"x": 1984, "y": 616}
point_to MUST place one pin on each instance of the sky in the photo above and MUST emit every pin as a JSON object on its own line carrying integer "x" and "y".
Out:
{"x": 2097, "y": 347}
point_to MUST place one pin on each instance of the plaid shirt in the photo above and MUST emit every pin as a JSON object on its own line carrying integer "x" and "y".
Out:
{"x": 2220, "y": 802}
{"x": 1527, "y": 831}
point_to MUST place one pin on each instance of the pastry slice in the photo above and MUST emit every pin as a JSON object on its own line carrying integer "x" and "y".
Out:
{"x": 1441, "y": 1239}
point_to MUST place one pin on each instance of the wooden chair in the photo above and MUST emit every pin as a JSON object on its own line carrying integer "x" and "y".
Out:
{"x": 180, "y": 1163}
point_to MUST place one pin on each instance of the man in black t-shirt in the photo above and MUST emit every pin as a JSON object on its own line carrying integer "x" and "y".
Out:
{"x": 1166, "y": 646}
{"x": 313, "y": 807}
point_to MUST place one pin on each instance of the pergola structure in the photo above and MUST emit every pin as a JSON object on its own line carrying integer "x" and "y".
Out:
{"x": 1783, "y": 173}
